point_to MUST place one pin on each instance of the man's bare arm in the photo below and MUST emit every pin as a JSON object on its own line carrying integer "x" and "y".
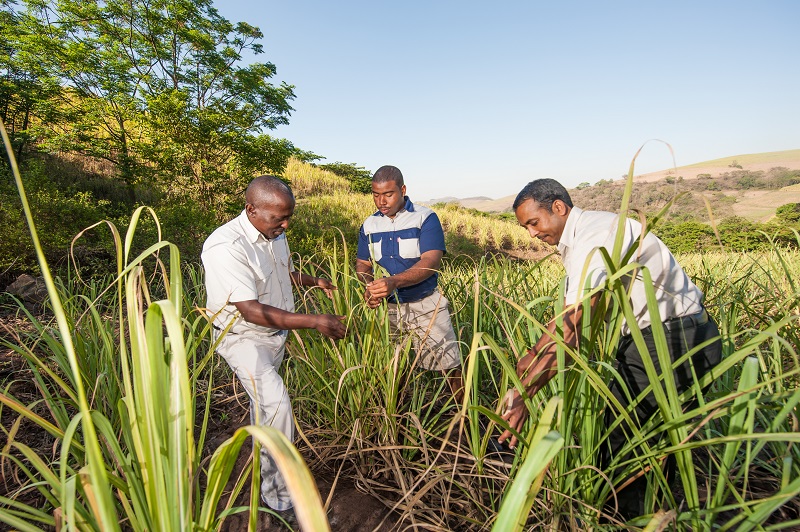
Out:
{"x": 268, "y": 316}
{"x": 537, "y": 367}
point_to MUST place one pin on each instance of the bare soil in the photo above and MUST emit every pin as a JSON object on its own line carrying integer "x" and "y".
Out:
{"x": 350, "y": 509}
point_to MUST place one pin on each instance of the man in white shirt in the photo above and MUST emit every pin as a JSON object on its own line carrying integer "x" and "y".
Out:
{"x": 249, "y": 277}
{"x": 545, "y": 209}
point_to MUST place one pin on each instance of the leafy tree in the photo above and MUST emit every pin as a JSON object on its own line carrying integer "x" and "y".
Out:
{"x": 685, "y": 236}
{"x": 582, "y": 185}
{"x": 158, "y": 89}
{"x": 740, "y": 234}
{"x": 789, "y": 213}
{"x": 360, "y": 178}
{"x": 747, "y": 181}
{"x": 27, "y": 91}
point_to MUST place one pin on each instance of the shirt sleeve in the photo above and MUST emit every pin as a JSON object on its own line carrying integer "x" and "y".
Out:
{"x": 229, "y": 276}
{"x": 363, "y": 245}
{"x": 431, "y": 235}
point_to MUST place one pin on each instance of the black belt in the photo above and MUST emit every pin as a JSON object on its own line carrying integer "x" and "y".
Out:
{"x": 678, "y": 324}
{"x": 686, "y": 322}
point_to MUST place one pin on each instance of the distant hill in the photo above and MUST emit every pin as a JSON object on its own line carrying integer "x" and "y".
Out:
{"x": 743, "y": 185}
{"x": 753, "y": 161}
{"x": 464, "y": 202}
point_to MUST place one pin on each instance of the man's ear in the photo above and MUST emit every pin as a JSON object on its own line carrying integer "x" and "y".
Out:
{"x": 559, "y": 207}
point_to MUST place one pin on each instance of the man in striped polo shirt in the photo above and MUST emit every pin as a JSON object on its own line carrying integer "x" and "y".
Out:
{"x": 407, "y": 241}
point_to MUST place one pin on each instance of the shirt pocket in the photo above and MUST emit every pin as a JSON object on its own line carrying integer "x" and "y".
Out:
{"x": 281, "y": 253}
{"x": 408, "y": 248}
{"x": 375, "y": 249}
{"x": 264, "y": 271}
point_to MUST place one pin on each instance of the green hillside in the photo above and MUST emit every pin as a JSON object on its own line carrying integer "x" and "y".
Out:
{"x": 775, "y": 158}
{"x": 746, "y": 185}
{"x": 69, "y": 194}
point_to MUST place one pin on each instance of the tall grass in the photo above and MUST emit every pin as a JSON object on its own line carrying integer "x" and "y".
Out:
{"x": 121, "y": 404}
{"x": 307, "y": 180}
{"x": 367, "y": 411}
{"x": 409, "y": 447}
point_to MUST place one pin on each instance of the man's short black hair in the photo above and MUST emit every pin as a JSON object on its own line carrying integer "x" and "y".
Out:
{"x": 388, "y": 173}
{"x": 544, "y": 192}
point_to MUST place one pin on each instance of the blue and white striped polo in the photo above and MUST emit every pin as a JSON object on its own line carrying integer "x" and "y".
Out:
{"x": 397, "y": 244}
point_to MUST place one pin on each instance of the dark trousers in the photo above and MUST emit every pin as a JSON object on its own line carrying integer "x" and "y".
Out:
{"x": 629, "y": 364}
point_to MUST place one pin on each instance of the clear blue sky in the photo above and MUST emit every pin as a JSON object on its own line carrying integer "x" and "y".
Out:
{"x": 478, "y": 98}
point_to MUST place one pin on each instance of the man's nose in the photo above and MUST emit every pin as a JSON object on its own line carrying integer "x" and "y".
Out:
{"x": 533, "y": 232}
{"x": 285, "y": 224}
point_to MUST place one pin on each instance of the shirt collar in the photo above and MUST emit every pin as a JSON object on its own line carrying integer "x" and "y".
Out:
{"x": 568, "y": 235}
{"x": 408, "y": 207}
{"x": 250, "y": 232}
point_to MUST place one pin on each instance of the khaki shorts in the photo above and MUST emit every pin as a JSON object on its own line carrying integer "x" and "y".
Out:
{"x": 433, "y": 336}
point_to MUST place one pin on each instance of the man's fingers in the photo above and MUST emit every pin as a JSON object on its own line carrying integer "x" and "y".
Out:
{"x": 504, "y": 436}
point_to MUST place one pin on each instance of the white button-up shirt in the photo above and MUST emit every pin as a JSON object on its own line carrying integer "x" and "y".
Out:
{"x": 243, "y": 265}
{"x": 585, "y": 231}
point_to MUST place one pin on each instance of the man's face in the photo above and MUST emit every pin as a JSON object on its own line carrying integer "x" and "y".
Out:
{"x": 271, "y": 218}
{"x": 545, "y": 225}
{"x": 388, "y": 197}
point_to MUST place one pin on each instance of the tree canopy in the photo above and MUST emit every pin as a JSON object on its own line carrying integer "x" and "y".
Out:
{"x": 156, "y": 87}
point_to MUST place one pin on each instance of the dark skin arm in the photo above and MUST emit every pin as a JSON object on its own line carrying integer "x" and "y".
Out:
{"x": 309, "y": 280}
{"x": 378, "y": 289}
{"x": 536, "y": 369}
{"x": 267, "y": 316}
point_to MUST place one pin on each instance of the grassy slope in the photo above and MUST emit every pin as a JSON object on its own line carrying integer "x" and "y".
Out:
{"x": 333, "y": 211}
{"x": 776, "y": 158}
{"x": 756, "y": 205}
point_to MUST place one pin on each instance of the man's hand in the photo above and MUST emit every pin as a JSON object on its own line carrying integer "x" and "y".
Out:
{"x": 331, "y": 326}
{"x": 371, "y": 300}
{"x": 383, "y": 287}
{"x": 327, "y": 286}
{"x": 515, "y": 413}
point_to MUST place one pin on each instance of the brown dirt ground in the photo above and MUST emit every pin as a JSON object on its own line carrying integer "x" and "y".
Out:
{"x": 349, "y": 509}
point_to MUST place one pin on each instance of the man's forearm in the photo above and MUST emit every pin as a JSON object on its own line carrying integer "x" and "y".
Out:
{"x": 427, "y": 266}
{"x": 274, "y": 317}
{"x": 414, "y": 275}
{"x": 364, "y": 271}
{"x": 304, "y": 279}
{"x": 540, "y": 364}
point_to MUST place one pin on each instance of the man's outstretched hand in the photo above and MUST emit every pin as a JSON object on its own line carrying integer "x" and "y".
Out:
{"x": 515, "y": 414}
{"x": 331, "y": 326}
{"x": 326, "y": 286}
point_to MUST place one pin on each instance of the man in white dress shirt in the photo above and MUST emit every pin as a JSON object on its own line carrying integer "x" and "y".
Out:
{"x": 545, "y": 209}
{"x": 249, "y": 277}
